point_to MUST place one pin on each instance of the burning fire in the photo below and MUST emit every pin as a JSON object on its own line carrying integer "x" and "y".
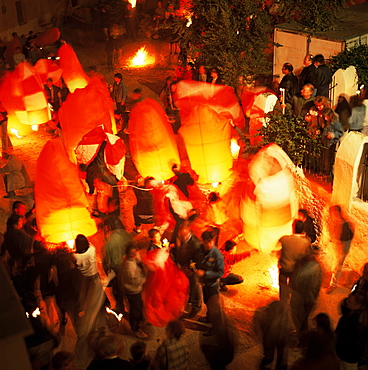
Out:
{"x": 133, "y": 2}
{"x": 142, "y": 58}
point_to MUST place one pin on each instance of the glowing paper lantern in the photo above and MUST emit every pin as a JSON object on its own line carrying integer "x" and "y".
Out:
{"x": 152, "y": 141}
{"x": 73, "y": 74}
{"x": 270, "y": 205}
{"x": 48, "y": 37}
{"x": 114, "y": 150}
{"x": 221, "y": 98}
{"x": 84, "y": 110}
{"x": 22, "y": 92}
{"x": 62, "y": 207}
{"x": 47, "y": 68}
{"x": 207, "y": 137}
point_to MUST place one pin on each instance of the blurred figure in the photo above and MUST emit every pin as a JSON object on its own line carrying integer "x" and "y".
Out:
{"x": 358, "y": 110}
{"x": 201, "y": 74}
{"x": 362, "y": 284}
{"x": 62, "y": 360}
{"x": 5, "y": 140}
{"x": 155, "y": 240}
{"x": 344, "y": 111}
{"x": 131, "y": 22}
{"x": 277, "y": 326}
{"x": 105, "y": 22}
{"x": 140, "y": 360}
{"x": 108, "y": 348}
{"x": 18, "y": 56}
{"x": 342, "y": 234}
{"x": 172, "y": 352}
{"x": 159, "y": 15}
{"x": 305, "y": 283}
{"x": 182, "y": 180}
{"x": 309, "y": 227}
{"x": 293, "y": 248}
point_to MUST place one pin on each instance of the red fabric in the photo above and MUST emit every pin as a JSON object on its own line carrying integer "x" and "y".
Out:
{"x": 84, "y": 110}
{"x": 73, "y": 74}
{"x": 165, "y": 292}
{"x": 230, "y": 259}
{"x": 48, "y": 37}
{"x": 221, "y": 98}
{"x": 152, "y": 141}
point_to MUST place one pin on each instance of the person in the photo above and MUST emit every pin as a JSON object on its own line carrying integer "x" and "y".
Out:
{"x": 201, "y": 74}
{"x": 105, "y": 22}
{"x": 108, "y": 348}
{"x": 34, "y": 53}
{"x": 5, "y": 140}
{"x": 140, "y": 360}
{"x": 90, "y": 294}
{"x": 182, "y": 180}
{"x": 189, "y": 72}
{"x": 301, "y": 102}
{"x": 309, "y": 227}
{"x": 184, "y": 251}
{"x": 358, "y": 110}
{"x": 131, "y": 22}
{"x": 324, "y": 76}
{"x": 159, "y": 15}
{"x": 305, "y": 283}
{"x": 342, "y": 234}
{"x": 18, "y": 56}
{"x": 351, "y": 331}
{"x": 210, "y": 268}
{"x": 289, "y": 83}
{"x": 215, "y": 77}
{"x": 362, "y": 284}
{"x": 293, "y": 248}
{"x": 309, "y": 73}
{"x": 172, "y": 353}
{"x": 228, "y": 278}
{"x": 119, "y": 92}
{"x": 155, "y": 240}
{"x": 344, "y": 111}
{"x": 53, "y": 94}
{"x": 315, "y": 117}
{"x": 133, "y": 276}
{"x": 15, "y": 175}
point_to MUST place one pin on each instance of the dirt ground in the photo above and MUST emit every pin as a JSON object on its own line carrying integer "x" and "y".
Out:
{"x": 240, "y": 302}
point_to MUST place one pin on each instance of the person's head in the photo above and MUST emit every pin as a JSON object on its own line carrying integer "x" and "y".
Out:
{"x": 323, "y": 321}
{"x": 307, "y": 91}
{"x": 214, "y": 72}
{"x": 149, "y": 182}
{"x": 355, "y": 301}
{"x": 15, "y": 222}
{"x": 175, "y": 329}
{"x": 108, "y": 346}
{"x": 319, "y": 59}
{"x": 62, "y": 360}
{"x": 298, "y": 226}
{"x": 138, "y": 350}
{"x": 321, "y": 103}
{"x": 302, "y": 214}
{"x": 159, "y": 4}
{"x": 287, "y": 68}
{"x": 19, "y": 208}
{"x": 185, "y": 231}
{"x": 336, "y": 211}
{"x": 229, "y": 245}
{"x": 81, "y": 244}
{"x": 131, "y": 251}
{"x": 155, "y": 236}
{"x": 208, "y": 239}
{"x": 308, "y": 60}
{"x": 49, "y": 82}
{"x": 328, "y": 115}
{"x": 118, "y": 77}
{"x": 202, "y": 70}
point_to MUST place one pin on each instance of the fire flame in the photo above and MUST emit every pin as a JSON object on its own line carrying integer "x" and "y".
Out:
{"x": 142, "y": 58}
{"x": 15, "y": 132}
{"x": 234, "y": 147}
{"x": 119, "y": 317}
{"x": 274, "y": 275}
{"x": 133, "y": 2}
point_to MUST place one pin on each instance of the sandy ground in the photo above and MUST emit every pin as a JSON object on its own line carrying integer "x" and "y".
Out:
{"x": 240, "y": 302}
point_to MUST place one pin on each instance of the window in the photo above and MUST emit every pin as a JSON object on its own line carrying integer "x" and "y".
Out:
{"x": 20, "y": 12}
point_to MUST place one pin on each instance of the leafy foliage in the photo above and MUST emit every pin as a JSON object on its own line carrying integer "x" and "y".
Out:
{"x": 231, "y": 35}
{"x": 313, "y": 15}
{"x": 356, "y": 56}
{"x": 291, "y": 134}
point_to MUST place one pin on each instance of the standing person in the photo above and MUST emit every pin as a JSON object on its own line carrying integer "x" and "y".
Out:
{"x": 309, "y": 227}
{"x": 324, "y": 76}
{"x": 53, "y": 94}
{"x": 344, "y": 111}
{"x": 34, "y": 53}
{"x": 90, "y": 295}
{"x": 172, "y": 354}
{"x": 159, "y": 15}
{"x": 5, "y": 140}
{"x": 342, "y": 234}
{"x": 289, "y": 83}
{"x": 358, "y": 110}
{"x": 189, "y": 72}
{"x": 186, "y": 248}
{"x": 309, "y": 73}
{"x": 215, "y": 77}
{"x": 210, "y": 263}
{"x": 201, "y": 74}
{"x": 131, "y": 22}
{"x": 119, "y": 92}
{"x": 293, "y": 248}
{"x": 133, "y": 277}
{"x": 105, "y": 22}
{"x": 18, "y": 56}
{"x": 230, "y": 259}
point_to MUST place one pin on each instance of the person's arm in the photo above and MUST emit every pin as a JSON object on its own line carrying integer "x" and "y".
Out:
{"x": 218, "y": 270}
{"x": 232, "y": 259}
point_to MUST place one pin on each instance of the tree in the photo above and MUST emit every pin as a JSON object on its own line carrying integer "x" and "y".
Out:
{"x": 230, "y": 35}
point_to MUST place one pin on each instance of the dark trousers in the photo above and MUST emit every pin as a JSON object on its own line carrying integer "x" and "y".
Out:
{"x": 284, "y": 278}
{"x": 135, "y": 311}
{"x": 231, "y": 279}
{"x": 194, "y": 291}
{"x": 212, "y": 301}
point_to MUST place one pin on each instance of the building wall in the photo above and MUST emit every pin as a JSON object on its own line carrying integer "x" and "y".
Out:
{"x": 22, "y": 16}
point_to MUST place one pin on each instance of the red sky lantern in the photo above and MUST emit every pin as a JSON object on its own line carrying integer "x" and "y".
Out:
{"x": 48, "y": 37}
{"x": 152, "y": 141}
{"x": 47, "y": 68}
{"x": 62, "y": 207}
